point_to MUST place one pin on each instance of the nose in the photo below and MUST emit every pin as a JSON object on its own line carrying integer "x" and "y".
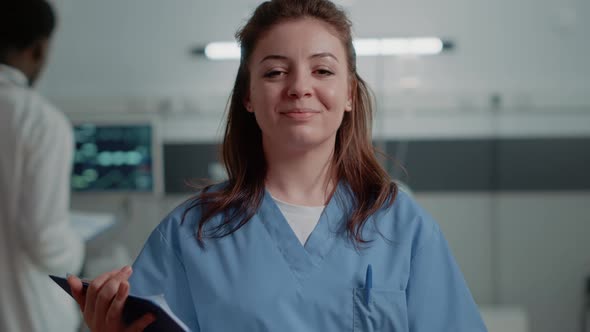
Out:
{"x": 300, "y": 85}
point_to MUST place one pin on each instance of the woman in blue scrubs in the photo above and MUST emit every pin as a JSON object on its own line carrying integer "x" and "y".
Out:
{"x": 309, "y": 233}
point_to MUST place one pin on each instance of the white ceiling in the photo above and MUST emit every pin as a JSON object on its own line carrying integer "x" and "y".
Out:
{"x": 530, "y": 51}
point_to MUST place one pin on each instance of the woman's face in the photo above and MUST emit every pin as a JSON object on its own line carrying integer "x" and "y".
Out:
{"x": 299, "y": 85}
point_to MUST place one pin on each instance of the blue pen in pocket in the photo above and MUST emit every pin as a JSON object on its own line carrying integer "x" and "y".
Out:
{"x": 368, "y": 283}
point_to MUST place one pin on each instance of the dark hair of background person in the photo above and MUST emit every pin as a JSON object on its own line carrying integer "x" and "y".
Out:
{"x": 24, "y": 22}
{"x": 355, "y": 163}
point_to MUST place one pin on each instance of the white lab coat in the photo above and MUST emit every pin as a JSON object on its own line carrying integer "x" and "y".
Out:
{"x": 35, "y": 235}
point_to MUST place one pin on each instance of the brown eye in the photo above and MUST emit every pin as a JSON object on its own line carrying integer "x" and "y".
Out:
{"x": 274, "y": 73}
{"x": 324, "y": 72}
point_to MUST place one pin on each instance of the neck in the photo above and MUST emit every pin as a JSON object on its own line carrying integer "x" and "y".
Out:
{"x": 300, "y": 177}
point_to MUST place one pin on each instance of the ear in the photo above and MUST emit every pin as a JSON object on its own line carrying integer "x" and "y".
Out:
{"x": 39, "y": 50}
{"x": 247, "y": 104}
{"x": 351, "y": 87}
{"x": 348, "y": 107}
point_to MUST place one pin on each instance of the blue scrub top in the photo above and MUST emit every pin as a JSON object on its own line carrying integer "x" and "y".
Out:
{"x": 261, "y": 278}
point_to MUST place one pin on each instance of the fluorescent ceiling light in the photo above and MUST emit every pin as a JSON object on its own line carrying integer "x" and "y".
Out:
{"x": 222, "y": 51}
{"x": 363, "y": 47}
{"x": 398, "y": 46}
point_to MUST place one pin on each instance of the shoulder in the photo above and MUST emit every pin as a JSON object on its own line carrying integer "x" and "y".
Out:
{"x": 184, "y": 219}
{"x": 44, "y": 121}
{"x": 50, "y": 115}
{"x": 29, "y": 108}
{"x": 34, "y": 104}
{"x": 406, "y": 222}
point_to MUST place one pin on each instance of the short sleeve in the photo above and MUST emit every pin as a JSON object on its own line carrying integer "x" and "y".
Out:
{"x": 158, "y": 270}
{"x": 438, "y": 298}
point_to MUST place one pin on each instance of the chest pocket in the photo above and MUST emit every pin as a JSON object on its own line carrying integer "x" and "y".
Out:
{"x": 385, "y": 311}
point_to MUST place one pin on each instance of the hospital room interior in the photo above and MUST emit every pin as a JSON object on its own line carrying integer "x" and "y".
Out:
{"x": 482, "y": 111}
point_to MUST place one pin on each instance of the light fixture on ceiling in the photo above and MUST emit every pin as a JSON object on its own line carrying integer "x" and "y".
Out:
{"x": 363, "y": 47}
{"x": 222, "y": 51}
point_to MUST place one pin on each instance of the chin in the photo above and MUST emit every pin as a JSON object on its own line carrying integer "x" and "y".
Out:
{"x": 305, "y": 142}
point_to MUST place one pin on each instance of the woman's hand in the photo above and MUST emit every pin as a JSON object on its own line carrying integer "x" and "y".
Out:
{"x": 102, "y": 304}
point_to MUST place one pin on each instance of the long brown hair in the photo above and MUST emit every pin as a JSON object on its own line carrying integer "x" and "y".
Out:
{"x": 354, "y": 161}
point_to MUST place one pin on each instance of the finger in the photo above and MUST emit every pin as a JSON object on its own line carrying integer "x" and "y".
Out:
{"x": 105, "y": 298}
{"x": 115, "y": 311}
{"x": 107, "y": 294}
{"x": 93, "y": 290}
{"x": 140, "y": 324}
{"x": 77, "y": 291}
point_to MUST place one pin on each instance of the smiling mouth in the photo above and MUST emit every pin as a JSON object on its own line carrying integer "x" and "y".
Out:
{"x": 299, "y": 111}
{"x": 299, "y": 114}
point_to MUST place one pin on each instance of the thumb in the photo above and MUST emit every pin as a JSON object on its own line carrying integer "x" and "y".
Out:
{"x": 77, "y": 290}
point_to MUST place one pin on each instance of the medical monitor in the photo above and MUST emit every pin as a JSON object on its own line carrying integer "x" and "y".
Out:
{"x": 113, "y": 157}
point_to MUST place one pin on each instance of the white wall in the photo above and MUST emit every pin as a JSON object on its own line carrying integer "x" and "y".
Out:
{"x": 527, "y": 249}
{"x": 545, "y": 255}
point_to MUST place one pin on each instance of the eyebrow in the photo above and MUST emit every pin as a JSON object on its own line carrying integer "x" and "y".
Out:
{"x": 313, "y": 56}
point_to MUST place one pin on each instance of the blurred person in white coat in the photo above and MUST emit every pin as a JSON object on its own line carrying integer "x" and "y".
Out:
{"x": 36, "y": 145}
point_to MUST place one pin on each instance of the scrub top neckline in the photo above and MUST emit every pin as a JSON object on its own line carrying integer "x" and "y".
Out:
{"x": 297, "y": 206}
{"x": 304, "y": 259}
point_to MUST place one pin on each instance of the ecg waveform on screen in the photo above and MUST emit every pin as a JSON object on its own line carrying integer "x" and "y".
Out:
{"x": 112, "y": 158}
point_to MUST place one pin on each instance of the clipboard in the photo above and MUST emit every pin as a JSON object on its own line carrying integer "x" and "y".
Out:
{"x": 136, "y": 306}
